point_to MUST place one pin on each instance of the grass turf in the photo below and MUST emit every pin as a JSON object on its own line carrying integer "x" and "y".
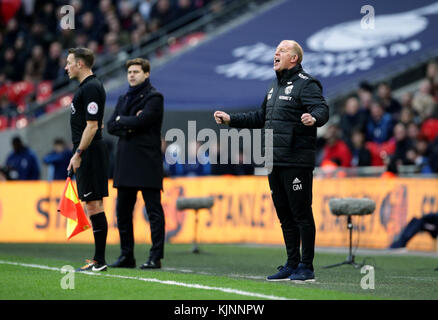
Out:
{"x": 237, "y": 267}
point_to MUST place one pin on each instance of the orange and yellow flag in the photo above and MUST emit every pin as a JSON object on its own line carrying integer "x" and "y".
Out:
{"x": 71, "y": 208}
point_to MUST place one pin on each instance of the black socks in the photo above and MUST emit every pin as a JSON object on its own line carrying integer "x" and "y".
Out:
{"x": 100, "y": 231}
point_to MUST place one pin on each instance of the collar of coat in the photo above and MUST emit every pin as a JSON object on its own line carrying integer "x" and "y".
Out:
{"x": 285, "y": 75}
{"x": 132, "y": 91}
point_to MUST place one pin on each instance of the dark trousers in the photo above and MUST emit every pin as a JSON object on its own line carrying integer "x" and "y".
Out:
{"x": 291, "y": 190}
{"x": 428, "y": 223}
{"x": 126, "y": 198}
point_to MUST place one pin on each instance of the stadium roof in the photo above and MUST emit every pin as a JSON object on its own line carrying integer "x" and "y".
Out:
{"x": 342, "y": 46}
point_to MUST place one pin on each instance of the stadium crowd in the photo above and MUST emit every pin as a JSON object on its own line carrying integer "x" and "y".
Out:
{"x": 376, "y": 129}
{"x": 33, "y": 45}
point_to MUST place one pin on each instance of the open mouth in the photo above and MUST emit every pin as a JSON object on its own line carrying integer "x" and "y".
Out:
{"x": 276, "y": 61}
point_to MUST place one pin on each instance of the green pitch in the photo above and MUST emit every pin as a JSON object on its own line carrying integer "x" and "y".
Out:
{"x": 223, "y": 272}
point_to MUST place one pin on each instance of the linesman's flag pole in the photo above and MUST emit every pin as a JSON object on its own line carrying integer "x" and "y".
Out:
{"x": 70, "y": 207}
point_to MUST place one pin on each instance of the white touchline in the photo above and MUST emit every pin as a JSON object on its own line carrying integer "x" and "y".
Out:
{"x": 168, "y": 282}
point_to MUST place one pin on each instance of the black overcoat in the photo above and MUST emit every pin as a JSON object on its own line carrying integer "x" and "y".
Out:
{"x": 139, "y": 159}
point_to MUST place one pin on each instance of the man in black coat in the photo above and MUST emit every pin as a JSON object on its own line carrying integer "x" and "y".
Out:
{"x": 293, "y": 108}
{"x": 137, "y": 121}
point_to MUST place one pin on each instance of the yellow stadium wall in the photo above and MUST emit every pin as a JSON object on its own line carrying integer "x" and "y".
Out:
{"x": 243, "y": 212}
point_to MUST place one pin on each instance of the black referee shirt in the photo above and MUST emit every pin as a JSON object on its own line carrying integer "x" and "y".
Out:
{"x": 88, "y": 104}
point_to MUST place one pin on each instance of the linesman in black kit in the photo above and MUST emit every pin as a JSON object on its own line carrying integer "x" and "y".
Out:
{"x": 293, "y": 108}
{"x": 90, "y": 158}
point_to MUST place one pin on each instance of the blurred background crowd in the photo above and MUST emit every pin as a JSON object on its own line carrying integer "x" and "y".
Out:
{"x": 373, "y": 127}
{"x": 33, "y": 44}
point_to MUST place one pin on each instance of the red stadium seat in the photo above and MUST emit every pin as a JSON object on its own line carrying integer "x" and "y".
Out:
{"x": 19, "y": 90}
{"x": 66, "y": 100}
{"x": 4, "y": 89}
{"x": 3, "y": 122}
{"x": 429, "y": 129}
{"x": 19, "y": 122}
{"x": 44, "y": 91}
{"x": 60, "y": 103}
{"x": 377, "y": 151}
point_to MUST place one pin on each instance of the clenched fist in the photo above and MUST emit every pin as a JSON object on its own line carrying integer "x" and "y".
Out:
{"x": 221, "y": 117}
{"x": 307, "y": 119}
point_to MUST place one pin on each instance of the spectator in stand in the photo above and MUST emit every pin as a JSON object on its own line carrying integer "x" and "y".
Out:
{"x": 40, "y": 35}
{"x": 433, "y": 155}
{"x": 22, "y": 162}
{"x": 8, "y": 108}
{"x": 407, "y": 115}
{"x": 183, "y": 8}
{"x": 35, "y": 67}
{"x": 11, "y": 33}
{"x": 391, "y": 169}
{"x": 51, "y": 71}
{"x": 4, "y": 174}
{"x": 406, "y": 100}
{"x": 423, "y": 101}
{"x": 48, "y": 15}
{"x": 432, "y": 75}
{"x": 335, "y": 149}
{"x": 58, "y": 160}
{"x": 77, "y": 6}
{"x": 125, "y": 12}
{"x": 2, "y": 49}
{"x": 413, "y": 158}
{"x": 21, "y": 56}
{"x": 162, "y": 13}
{"x": 413, "y": 131}
{"x": 91, "y": 27}
{"x": 361, "y": 156}
{"x": 380, "y": 124}
{"x": 402, "y": 143}
{"x": 9, "y": 63}
{"x": 111, "y": 44}
{"x": 423, "y": 156}
{"x": 67, "y": 38}
{"x": 365, "y": 94}
{"x": 351, "y": 119}
{"x": 391, "y": 105}
{"x": 144, "y": 8}
{"x": 81, "y": 39}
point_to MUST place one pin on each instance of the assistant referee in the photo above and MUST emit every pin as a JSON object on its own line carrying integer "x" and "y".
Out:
{"x": 90, "y": 158}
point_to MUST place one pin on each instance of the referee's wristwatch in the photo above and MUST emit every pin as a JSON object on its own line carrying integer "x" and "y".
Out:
{"x": 79, "y": 152}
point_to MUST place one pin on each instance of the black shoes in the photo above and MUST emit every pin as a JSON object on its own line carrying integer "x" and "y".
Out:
{"x": 151, "y": 264}
{"x": 129, "y": 262}
{"x": 124, "y": 262}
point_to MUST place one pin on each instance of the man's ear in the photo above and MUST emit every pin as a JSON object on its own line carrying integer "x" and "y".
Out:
{"x": 294, "y": 58}
{"x": 146, "y": 75}
{"x": 79, "y": 63}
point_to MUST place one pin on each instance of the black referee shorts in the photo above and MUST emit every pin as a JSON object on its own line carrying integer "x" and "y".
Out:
{"x": 92, "y": 175}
